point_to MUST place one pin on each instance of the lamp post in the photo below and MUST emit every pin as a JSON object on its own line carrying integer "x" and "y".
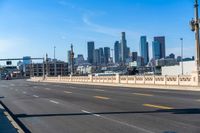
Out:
{"x": 181, "y": 55}
{"x": 194, "y": 23}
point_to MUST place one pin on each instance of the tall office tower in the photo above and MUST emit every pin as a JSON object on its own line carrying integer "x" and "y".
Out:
{"x": 161, "y": 40}
{"x": 156, "y": 50}
{"x": 90, "y": 50}
{"x": 106, "y": 55}
{"x": 96, "y": 57}
{"x": 101, "y": 54}
{"x": 128, "y": 52}
{"x": 69, "y": 57}
{"x": 123, "y": 47}
{"x": 144, "y": 49}
{"x": 117, "y": 51}
{"x": 134, "y": 56}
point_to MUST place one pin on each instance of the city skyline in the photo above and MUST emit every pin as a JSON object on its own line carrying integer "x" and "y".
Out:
{"x": 38, "y": 28}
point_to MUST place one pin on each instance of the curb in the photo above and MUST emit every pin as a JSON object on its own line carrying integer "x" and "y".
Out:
{"x": 17, "y": 124}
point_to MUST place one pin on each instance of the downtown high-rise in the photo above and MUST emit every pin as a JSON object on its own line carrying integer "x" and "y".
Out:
{"x": 90, "y": 51}
{"x": 123, "y": 54}
{"x": 144, "y": 49}
{"x": 161, "y": 50}
{"x": 117, "y": 51}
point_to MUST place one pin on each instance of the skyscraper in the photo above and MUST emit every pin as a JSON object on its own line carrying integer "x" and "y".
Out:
{"x": 156, "y": 50}
{"x": 117, "y": 51}
{"x": 123, "y": 48}
{"x": 90, "y": 50}
{"x": 106, "y": 55}
{"x": 134, "y": 56}
{"x": 161, "y": 40}
{"x": 144, "y": 49}
{"x": 96, "y": 57}
{"x": 101, "y": 54}
{"x": 68, "y": 57}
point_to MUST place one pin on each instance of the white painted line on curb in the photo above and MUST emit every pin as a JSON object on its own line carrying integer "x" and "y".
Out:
{"x": 35, "y": 96}
{"x": 54, "y": 101}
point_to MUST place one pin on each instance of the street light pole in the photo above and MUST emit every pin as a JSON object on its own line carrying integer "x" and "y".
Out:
{"x": 181, "y": 55}
{"x": 195, "y": 28}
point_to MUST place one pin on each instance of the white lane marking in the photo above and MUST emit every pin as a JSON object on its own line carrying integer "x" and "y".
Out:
{"x": 35, "y": 96}
{"x": 72, "y": 87}
{"x": 98, "y": 90}
{"x": 16, "y": 89}
{"x": 24, "y": 92}
{"x": 67, "y": 92}
{"x": 87, "y": 112}
{"x": 47, "y": 89}
{"x": 127, "y": 124}
{"x": 35, "y": 87}
{"x": 12, "y": 84}
{"x": 54, "y": 101}
{"x": 198, "y": 100}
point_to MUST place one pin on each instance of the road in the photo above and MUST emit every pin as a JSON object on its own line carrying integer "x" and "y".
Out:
{"x": 70, "y": 108}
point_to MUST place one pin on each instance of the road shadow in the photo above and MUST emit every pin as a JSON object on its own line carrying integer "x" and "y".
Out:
{"x": 173, "y": 111}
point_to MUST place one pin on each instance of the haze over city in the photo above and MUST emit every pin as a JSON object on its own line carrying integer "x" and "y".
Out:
{"x": 34, "y": 27}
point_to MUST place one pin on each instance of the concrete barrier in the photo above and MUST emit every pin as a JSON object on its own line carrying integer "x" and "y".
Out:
{"x": 181, "y": 80}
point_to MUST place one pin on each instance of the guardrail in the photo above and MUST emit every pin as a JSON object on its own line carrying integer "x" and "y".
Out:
{"x": 180, "y": 80}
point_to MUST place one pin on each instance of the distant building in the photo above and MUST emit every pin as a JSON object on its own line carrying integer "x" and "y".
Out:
{"x": 161, "y": 41}
{"x": 101, "y": 54}
{"x": 134, "y": 56}
{"x": 123, "y": 48}
{"x": 188, "y": 68}
{"x": 117, "y": 51}
{"x": 179, "y": 58}
{"x": 69, "y": 57}
{"x": 156, "y": 50}
{"x": 171, "y": 56}
{"x": 96, "y": 57}
{"x": 80, "y": 60}
{"x": 144, "y": 49}
{"x": 27, "y": 60}
{"x": 90, "y": 51}
{"x": 36, "y": 69}
{"x": 106, "y": 55}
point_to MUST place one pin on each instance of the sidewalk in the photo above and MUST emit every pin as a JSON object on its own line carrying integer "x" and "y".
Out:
{"x": 5, "y": 124}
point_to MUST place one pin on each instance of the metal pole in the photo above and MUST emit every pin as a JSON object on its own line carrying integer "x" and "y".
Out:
{"x": 182, "y": 55}
{"x": 197, "y": 33}
{"x": 54, "y": 52}
{"x": 43, "y": 71}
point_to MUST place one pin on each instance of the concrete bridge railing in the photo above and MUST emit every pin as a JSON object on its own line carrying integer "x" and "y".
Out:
{"x": 180, "y": 80}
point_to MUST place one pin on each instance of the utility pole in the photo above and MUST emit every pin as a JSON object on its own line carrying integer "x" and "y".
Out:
{"x": 194, "y": 23}
{"x": 182, "y": 56}
{"x": 55, "y": 68}
{"x": 72, "y": 59}
{"x": 54, "y": 52}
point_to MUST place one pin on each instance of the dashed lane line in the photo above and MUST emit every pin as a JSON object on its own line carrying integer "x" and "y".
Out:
{"x": 67, "y": 92}
{"x": 143, "y": 94}
{"x": 35, "y": 96}
{"x": 157, "y": 106}
{"x": 101, "y": 97}
{"x": 99, "y": 90}
{"x": 24, "y": 92}
{"x": 54, "y": 101}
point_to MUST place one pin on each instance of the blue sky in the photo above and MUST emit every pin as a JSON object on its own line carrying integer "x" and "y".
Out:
{"x": 33, "y": 27}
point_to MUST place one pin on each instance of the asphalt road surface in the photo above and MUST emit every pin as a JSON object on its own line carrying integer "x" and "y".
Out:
{"x": 70, "y": 108}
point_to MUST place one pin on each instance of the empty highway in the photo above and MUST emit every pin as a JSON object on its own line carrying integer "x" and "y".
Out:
{"x": 70, "y": 108}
